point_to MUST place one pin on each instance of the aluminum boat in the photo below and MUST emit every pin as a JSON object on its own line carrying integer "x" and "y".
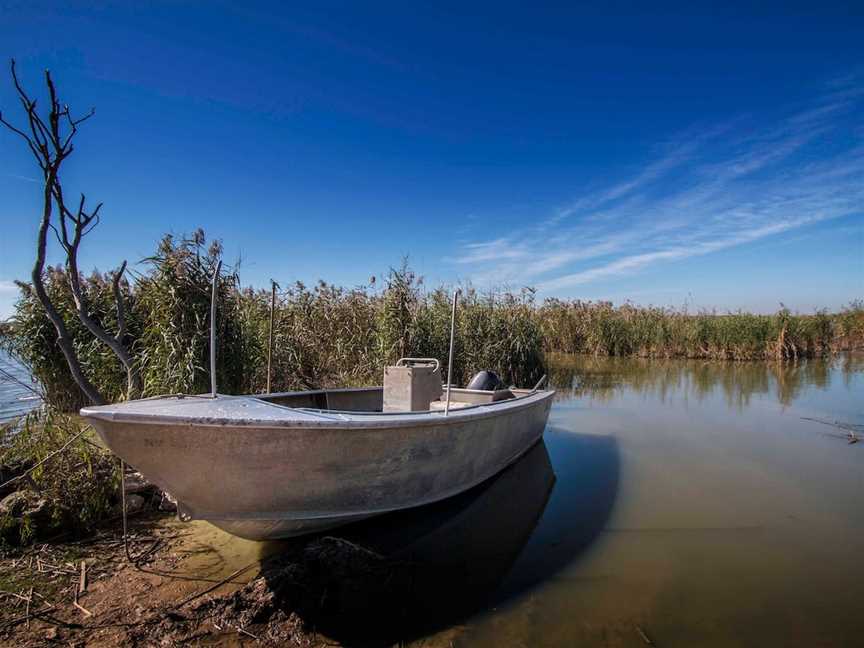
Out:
{"x": 285, "y": 464}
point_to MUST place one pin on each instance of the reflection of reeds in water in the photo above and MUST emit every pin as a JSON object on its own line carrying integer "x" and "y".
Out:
{"x": 603, "y": 379}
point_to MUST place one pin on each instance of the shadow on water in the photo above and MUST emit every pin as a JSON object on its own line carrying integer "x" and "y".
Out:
{"x": 577, "y": 511}
{"x": 409, "y": 574}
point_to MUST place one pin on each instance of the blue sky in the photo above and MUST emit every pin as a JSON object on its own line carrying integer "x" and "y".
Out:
{"x": 698, "y": 154}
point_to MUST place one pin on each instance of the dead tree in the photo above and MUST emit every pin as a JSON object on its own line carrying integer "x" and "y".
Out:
{"x": 51, "y": 142}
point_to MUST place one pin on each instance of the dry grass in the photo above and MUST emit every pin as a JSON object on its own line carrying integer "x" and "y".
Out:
{"x": 599, "y": 328}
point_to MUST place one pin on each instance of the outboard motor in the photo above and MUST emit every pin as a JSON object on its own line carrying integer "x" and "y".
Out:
{"x": 486, "y": 380}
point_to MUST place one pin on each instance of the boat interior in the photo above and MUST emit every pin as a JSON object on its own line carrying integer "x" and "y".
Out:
{"x": 371, "y": 399}
{"x": 412, "y": 385}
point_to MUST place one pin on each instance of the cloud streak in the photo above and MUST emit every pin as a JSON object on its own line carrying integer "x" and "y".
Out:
{"x": 707, "y": 191}
{"x": 15, "y": 176}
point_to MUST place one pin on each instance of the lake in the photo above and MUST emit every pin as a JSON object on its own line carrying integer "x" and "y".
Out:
{"x": 17, "y": 389}
{"x": 673, "y": 503}
{"x": 695, "y": 504}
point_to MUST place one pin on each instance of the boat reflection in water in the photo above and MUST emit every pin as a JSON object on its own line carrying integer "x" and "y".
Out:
{"x": 413, "y": 572}
{"x": 426, "y": 570}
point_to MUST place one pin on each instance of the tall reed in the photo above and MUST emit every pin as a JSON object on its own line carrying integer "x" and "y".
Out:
{"x": 600, "y": 328}
{"x": 323, "y": 336}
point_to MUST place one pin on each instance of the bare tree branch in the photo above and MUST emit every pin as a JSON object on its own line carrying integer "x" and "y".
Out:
{"x": 81, "y": 223}
{"x": 64, "y": 341}
{"x": 51, "y": 143}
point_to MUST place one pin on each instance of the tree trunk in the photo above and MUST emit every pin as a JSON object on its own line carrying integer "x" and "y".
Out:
{"x": 63, "y": 339}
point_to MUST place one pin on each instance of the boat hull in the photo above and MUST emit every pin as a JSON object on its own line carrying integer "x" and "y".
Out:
{"x": 281, "y": 478}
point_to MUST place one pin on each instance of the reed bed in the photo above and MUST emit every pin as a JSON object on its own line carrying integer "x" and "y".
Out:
{"x": 599, "y": 328}
{"x": 326, "y": 335}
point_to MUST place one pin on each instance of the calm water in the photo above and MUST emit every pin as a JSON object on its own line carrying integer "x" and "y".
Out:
{"x": 16, "y": 389}
{"x": 694, "y": 502}
{"x": 689, "y": 503}
{"x": 681, "y": 503}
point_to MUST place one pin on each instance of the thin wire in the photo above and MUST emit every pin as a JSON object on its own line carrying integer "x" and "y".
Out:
{"x": 12, "y": 378}
{"x": 123, "y": 500}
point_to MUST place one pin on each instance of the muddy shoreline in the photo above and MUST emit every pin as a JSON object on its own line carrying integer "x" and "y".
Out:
{"x": 408, "y": 578}
{"x": 191, "y": 583}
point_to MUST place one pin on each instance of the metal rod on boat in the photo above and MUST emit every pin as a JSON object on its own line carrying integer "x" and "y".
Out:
{"x": 539, "y": 383}
{"x": 213, "y": 330}
{"x": 450, "y": 360}
{"x": 270, "y": 342}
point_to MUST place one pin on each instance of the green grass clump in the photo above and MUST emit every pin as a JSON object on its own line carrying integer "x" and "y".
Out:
{"x": 78, "y": 481}
{"x": 172, "y": 300}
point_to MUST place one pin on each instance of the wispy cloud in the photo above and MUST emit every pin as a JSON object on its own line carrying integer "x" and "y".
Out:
{"x": 628, "y": 264}
{"x": 652, "y": 171}
{"x": 704, "y": 192}
{"x": 15, "y": 176}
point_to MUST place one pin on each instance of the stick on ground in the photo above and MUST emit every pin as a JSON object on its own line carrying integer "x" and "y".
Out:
{"x": 86, "y": 612}
{"x": 82, "y": 579}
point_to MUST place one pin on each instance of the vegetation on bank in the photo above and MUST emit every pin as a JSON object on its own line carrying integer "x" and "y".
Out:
{"x": 326, "y": 335}
{"x": 601, "y": 329}
{"x": 54, "y": 479}
{"x": 323, "y": 335}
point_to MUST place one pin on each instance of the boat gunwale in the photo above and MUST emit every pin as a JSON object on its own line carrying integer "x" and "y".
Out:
{"x": 326, "y": 419}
